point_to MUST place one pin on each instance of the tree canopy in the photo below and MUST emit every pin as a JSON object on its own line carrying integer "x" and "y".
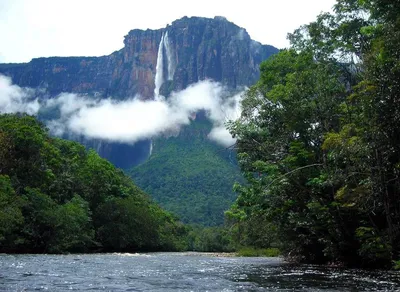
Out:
{"x": 318, "y": 139}
{"x": 55, "y": 196}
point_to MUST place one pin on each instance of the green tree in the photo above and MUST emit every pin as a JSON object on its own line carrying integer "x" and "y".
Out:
{"x": 73, "y": 227}
{"x": 11, "y": 218}
{"x": 55, "y": 196}
{"x": 126, "y": 224}
{"x": 318, "y": 140}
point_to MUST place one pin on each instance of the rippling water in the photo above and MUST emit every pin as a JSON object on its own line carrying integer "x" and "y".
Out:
{"x": 180, "y": 272}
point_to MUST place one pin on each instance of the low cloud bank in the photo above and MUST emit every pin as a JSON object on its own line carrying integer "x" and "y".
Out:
{"x": 129, "y": 120}
{"x": 16, "y": 99}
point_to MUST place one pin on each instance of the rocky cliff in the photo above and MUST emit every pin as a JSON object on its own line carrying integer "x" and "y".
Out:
{"x": 188, "y": 174}
{"x": 196, "y": 49}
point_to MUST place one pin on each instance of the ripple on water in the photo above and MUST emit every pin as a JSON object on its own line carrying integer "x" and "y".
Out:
{"x": 180, "y": 272}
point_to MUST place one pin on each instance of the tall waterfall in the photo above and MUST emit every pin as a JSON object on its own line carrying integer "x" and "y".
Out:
{"x": 159, "y": 78}
{"x": 171, "y": 69}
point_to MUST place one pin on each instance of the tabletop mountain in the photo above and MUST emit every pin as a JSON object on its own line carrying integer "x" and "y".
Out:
{"x": 155, "y": 62}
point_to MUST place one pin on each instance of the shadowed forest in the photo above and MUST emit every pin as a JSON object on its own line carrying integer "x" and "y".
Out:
{"x": 318, "y": 143}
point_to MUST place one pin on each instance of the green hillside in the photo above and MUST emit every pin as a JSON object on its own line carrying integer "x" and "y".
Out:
{"x": 56, "y": 197}
{"x": 190, "y": 175}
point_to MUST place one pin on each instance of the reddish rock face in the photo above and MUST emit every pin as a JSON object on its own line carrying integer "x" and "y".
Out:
{"x": 140, "y": 56}
{"x": 200, "y": 48}
{"x": 194, "y": 49}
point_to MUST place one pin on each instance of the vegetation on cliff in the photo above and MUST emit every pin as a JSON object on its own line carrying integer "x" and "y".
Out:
{"x": 318, "y": 140}
{"x": 187, "y": 174}
{"x": 55, "y": 196}
{"x": 190, "y": 175}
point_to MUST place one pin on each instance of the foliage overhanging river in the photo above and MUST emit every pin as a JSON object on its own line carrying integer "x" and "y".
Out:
{"x": 180, "y": 272}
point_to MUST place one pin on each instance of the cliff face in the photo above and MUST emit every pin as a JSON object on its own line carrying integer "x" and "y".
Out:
{"x": 194, "y": 49}
{"x": 215, "y": 49}
{"x": 187, "y": 174}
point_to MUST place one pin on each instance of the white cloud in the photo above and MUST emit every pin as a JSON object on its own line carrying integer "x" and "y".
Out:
{"x": 135, "y": 119}
{"x": 127, "y": 121}
{"x": 222, "y": 136}
{"x": 69, "y": 103}
{"x": 15, "y": 99}
{"x": 130, "y": 120}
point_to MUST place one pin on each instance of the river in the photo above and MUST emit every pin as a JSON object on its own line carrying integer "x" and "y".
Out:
{"x": 180, "y": 272}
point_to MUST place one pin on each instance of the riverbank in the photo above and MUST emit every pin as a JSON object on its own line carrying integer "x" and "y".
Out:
{"x": 209, "y": 254}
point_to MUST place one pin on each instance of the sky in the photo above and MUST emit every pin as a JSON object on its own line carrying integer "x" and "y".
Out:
{"x": 44, "y": 28}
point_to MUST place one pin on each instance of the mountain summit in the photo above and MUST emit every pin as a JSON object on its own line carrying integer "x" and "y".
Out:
{"x": 199, "y": 48}
{"x": 186, "y": 173}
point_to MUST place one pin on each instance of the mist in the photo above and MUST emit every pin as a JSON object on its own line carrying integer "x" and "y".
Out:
{"x": 16, "y": 99}
{"x": 130, "y": 120}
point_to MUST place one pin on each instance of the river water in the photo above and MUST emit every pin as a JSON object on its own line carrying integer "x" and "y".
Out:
{"x": 180, "y": 272}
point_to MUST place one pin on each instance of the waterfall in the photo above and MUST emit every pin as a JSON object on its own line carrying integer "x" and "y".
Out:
{"x": 151, "y": 148}
{"x": 171, "y": 69}
{"x": 159, "y": 78}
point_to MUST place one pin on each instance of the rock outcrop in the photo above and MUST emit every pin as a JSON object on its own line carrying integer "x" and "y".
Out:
{"x": 198, "y": 48}
{"x": 187, "y": 174}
